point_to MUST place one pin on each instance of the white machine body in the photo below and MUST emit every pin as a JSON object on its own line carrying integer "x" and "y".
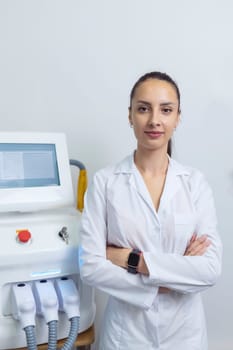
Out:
{"x": 43, "y": 254}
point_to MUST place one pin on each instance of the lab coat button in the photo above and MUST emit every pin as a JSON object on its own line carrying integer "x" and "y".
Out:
{"x": 24, "y": 236}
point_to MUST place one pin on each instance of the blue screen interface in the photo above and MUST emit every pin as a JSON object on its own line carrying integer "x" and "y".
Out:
{"x": 28, "y": 165}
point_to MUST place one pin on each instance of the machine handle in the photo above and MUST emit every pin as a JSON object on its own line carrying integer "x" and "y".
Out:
{"x": 82, "y": 183}
{"x": 81, "y": 189}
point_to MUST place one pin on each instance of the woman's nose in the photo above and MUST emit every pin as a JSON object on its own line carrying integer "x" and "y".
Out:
{"x": 154, "y": 119}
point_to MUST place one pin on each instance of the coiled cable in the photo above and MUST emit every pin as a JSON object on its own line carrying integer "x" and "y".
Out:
{"x": 73, "y": 333}
{"x": 31, "y": 337}
{"x": 52, "y": 341}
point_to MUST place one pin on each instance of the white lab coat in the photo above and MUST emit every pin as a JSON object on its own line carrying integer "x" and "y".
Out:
{"x": 119, "y": 211}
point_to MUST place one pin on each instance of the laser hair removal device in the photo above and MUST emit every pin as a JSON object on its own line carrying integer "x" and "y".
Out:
{"x": 39, "y": 230}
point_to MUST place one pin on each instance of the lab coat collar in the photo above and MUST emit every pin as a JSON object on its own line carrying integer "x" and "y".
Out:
{"x": 127, "y": 166}
{"x": 172, "y": 184}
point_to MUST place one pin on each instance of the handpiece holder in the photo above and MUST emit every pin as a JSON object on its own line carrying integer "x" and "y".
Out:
{"x": 68, "y": 297}
{"x": 23, "y": 303}
{"x": 46, "y": 300}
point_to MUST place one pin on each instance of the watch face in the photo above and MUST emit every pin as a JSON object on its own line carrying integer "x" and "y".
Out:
{"x": 133, "y": 259}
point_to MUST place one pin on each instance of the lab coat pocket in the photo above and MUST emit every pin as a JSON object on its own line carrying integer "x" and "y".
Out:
{"x": 124, "y": 227}
{"x": 127, "y": 327}
{"x": 184, "y": 229}
{"x": 139, "y": 333}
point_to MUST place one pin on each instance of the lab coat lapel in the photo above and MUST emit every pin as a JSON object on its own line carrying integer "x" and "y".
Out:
{"x": 136, "y": 181}
{"x": 171, "y": 186}
{"x": 173, "y": 182}
{"x": 138, "y": 184}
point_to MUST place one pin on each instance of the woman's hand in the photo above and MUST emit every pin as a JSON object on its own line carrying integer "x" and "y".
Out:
{"x": 197, "y": 246}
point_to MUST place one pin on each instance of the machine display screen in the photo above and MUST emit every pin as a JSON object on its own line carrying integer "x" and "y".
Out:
{"x": 28, "y": 165}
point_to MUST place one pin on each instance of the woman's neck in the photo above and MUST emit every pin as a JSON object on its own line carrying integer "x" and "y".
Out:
{"x": 151, "y": 162}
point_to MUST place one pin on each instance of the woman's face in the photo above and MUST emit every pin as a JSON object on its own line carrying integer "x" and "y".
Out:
{"x": 154, "y": 114}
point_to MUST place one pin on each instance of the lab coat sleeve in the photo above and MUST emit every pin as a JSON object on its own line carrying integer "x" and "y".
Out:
{"x": 95, "y": 269}
{"x": 190, "y": 274}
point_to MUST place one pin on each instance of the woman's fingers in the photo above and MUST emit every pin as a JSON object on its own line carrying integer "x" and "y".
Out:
{"x": 193, "y": 238}
{"x": 200, "y": 249}
{"x": 197, "y": 246}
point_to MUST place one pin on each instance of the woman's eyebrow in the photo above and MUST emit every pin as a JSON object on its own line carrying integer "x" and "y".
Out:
{"x": 161, "y": 104}
{"x": 167, "y": 103}
{"x": 144, "y": 102}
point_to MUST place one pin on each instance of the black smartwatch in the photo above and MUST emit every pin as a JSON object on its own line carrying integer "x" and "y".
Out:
{"x": 133, "y": 261}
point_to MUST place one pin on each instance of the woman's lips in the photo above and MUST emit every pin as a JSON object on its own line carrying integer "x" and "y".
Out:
{"x": 154, "y": 134}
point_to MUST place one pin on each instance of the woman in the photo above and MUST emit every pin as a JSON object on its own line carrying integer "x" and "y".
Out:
{"x": 149, "y": 236}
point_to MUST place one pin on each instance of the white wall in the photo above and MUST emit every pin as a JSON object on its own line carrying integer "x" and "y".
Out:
{"x": 69, "y": 66}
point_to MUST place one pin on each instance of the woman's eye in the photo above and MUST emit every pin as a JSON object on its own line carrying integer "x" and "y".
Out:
{"x": 166, "y": 110}
{"x": 143, "y": 109}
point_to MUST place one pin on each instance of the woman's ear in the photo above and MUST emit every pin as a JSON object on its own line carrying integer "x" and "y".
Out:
{"x": 130, "y": 117}
{"x": 178, "y": 119}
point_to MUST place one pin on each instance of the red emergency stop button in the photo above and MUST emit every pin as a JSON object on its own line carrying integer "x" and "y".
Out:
{"x": 24, "y": 236}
